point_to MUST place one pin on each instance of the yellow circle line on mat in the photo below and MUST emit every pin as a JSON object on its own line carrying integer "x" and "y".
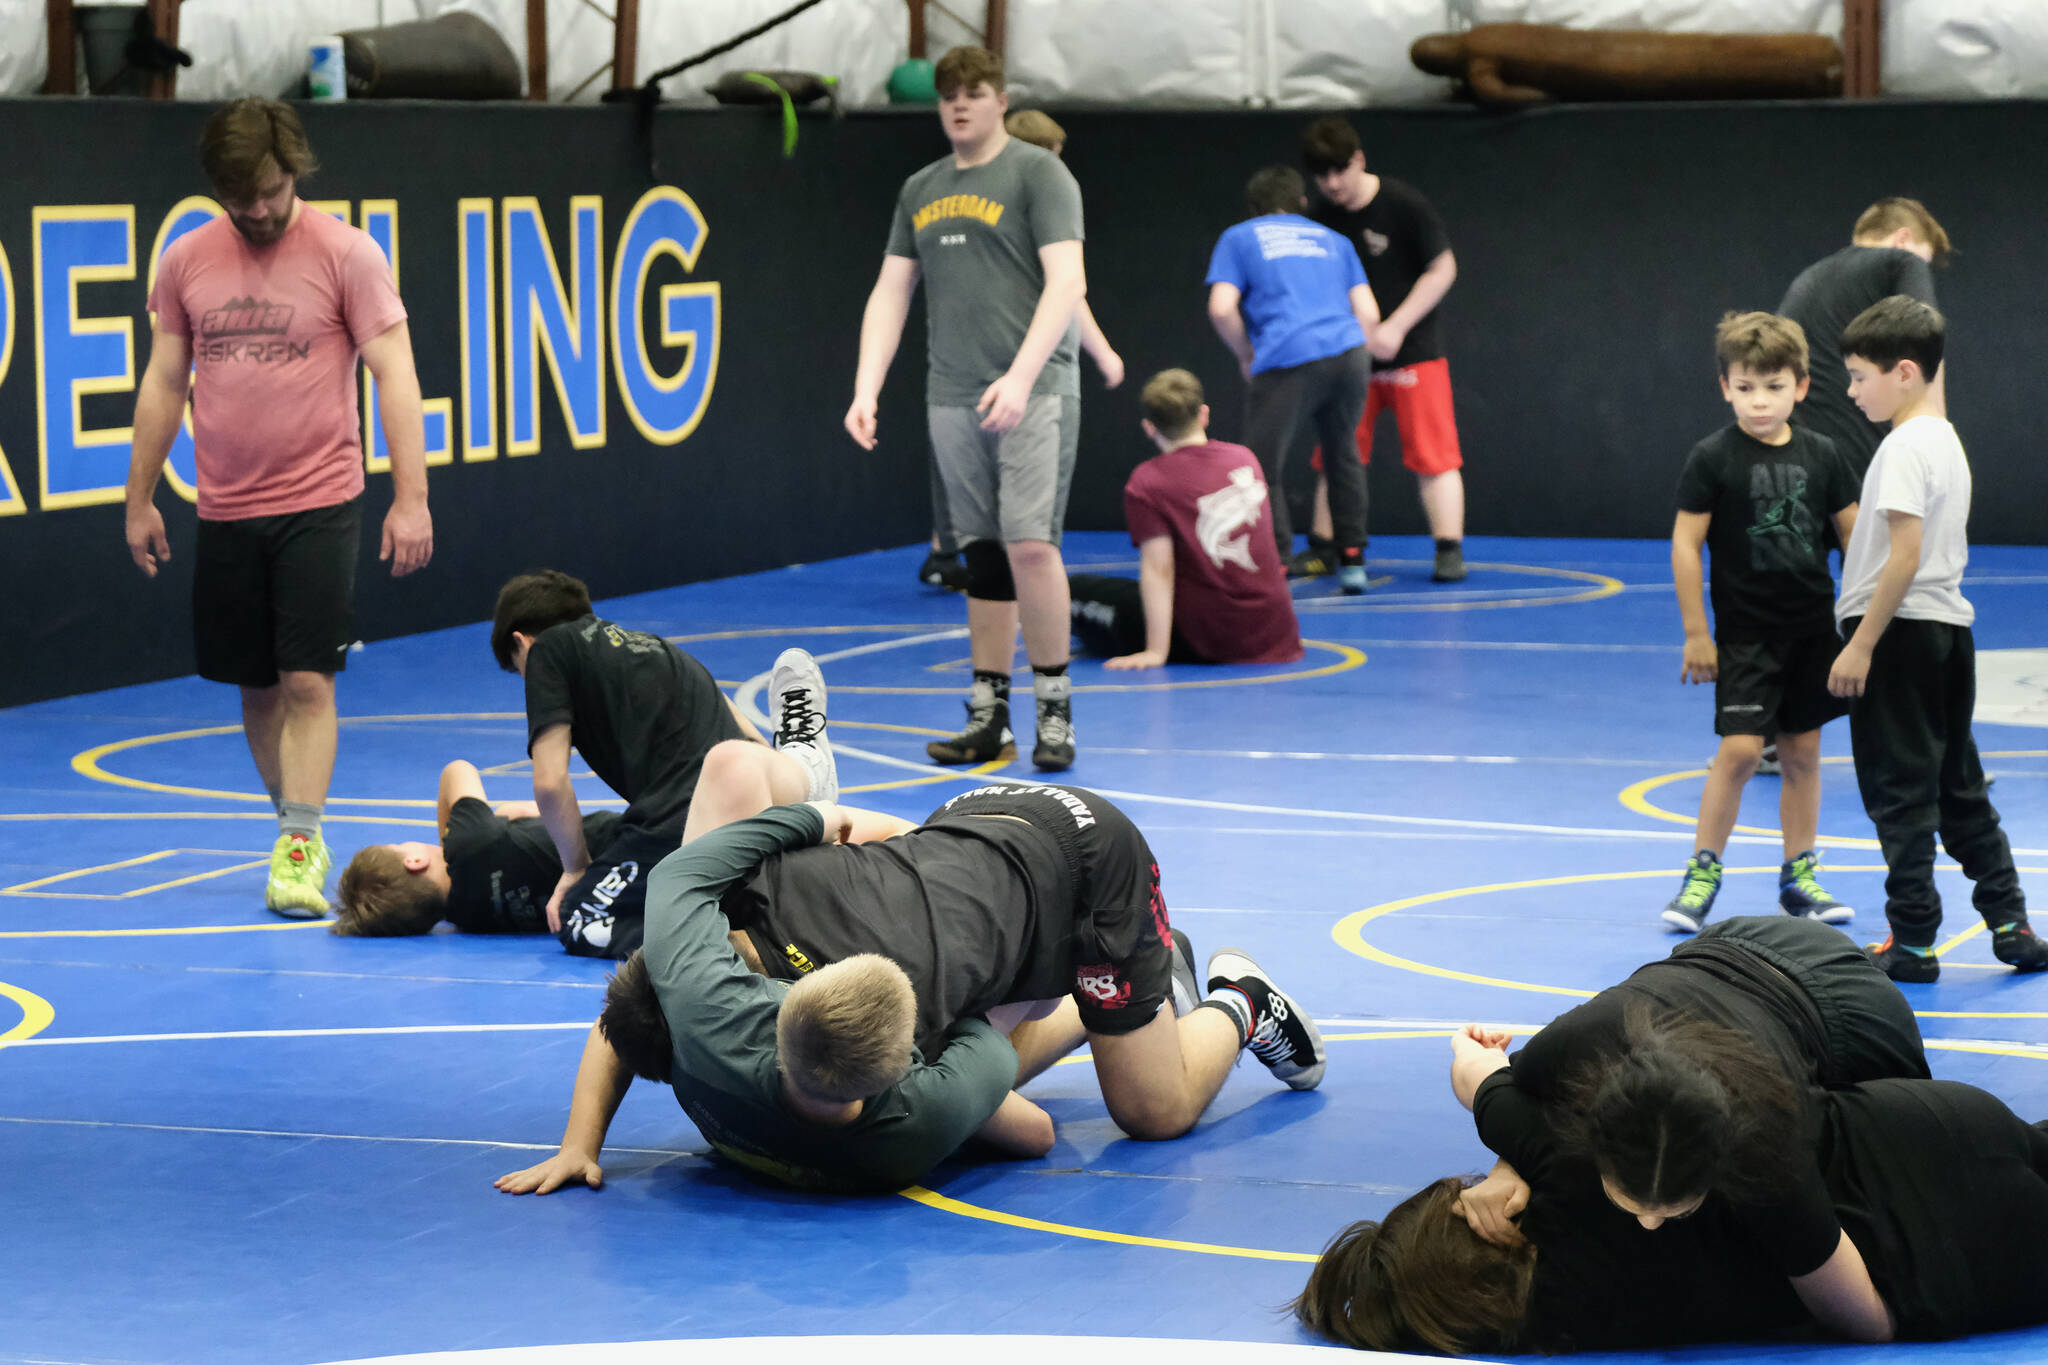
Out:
{"x": 88, "y": 765}
{"x": 167, "y": 931}
{"x": 36, "y": 1014}
{"x": 947, "y": 1204}
{"x": 1349, "y": 933}
{"x": 1636, "y": 797}
{"x": 1602, "y": 586}
{"x": 1348, "y": 658}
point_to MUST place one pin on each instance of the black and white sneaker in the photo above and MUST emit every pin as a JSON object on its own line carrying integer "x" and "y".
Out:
{"x": 1054, "y": 752}
{"x": 987, "y": 735}
{"x": 796, "y": 711}
{"x": 1187, "y": 991}
{"x": 1284, "y": 1037}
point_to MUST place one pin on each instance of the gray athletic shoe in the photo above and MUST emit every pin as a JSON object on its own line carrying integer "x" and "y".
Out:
{"x": 796, "y": 711}
{"x": 1285, "y": 1038}
{"x": 1187, "y": 991}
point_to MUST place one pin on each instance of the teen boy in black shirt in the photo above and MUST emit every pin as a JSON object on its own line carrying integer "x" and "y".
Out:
{"x": 1891, "y": 251}
{"x": 1400, "y": 239}
{"x": 1760, "y": 495}
{"x": 641, "y": 713}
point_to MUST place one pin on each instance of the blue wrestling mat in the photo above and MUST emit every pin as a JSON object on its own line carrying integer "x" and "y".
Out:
{"x": 234, "y": 1139}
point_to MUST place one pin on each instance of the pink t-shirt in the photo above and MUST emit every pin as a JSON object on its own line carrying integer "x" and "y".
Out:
{"x": 275, "y": 333}
{"x": 1230, "y": 598}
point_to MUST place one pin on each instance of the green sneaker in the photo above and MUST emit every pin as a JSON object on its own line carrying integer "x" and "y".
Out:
{"x": 1689, "y": 908}
{"x": 1800, "y": 894}
{"x": 298, "y": 871}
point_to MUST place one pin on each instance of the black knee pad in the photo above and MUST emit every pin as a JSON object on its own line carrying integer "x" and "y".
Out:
{"x": 988, "y": 571}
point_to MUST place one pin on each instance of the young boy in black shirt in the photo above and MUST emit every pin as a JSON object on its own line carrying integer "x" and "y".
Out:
{"x": 642, "y": 714}
{"x": 1758, "y": 495}
{"x": 491, "y": 872}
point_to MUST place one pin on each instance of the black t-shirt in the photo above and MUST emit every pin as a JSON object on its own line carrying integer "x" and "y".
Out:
{"x": 501, "y": 872}
{"x": 1945, "y": 1193}
{"x": 977, "y": 912}
{"x": 641, "y": 712}
{"x": 1605, "y": 1282}
{"x": 1397, "y": 234}
{"x": 1772, "y": 507}
{"x": 1824, "y": 300}
{"x": 1736, "y": 989}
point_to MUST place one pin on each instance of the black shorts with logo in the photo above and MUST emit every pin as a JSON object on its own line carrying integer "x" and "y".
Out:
{"x": 1123, "y": 945}
{"x": 604, "y": 913}
{"x": 276, "y": 594}
{"x": 1776, "y": 687}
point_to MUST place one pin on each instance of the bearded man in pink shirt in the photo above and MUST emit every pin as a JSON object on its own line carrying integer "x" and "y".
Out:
{"x": 272, "y": 304}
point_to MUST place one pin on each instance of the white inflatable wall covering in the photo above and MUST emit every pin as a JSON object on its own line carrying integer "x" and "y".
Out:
{"x": 1193, "y": 53}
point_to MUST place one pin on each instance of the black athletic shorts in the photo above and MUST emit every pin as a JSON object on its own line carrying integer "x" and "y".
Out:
{"x": 1776, "y": 687}
{"x": 273, "y": 594}
{"x": 1123, "y": 944}
{"x": 1108, "y": 617}
{"x": 604, "y": 914}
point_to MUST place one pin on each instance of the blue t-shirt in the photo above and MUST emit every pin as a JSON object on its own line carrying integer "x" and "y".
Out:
{"x": 1296, "y": 278}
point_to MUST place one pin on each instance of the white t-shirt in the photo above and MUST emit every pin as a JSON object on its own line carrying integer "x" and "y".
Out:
{"x": 1918, "y": 469}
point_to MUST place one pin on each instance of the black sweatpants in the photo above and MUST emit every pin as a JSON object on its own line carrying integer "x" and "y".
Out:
{"x": 1328, "y": 397}
{"x": 1108, "y": 617}
{"x": 1917, "y": 767}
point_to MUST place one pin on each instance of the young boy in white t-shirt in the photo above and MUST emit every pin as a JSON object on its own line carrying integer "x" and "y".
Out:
{"x": 1910, "y": 662}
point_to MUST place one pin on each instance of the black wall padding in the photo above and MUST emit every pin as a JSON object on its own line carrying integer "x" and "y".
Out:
{"x": 1597, "y": 247}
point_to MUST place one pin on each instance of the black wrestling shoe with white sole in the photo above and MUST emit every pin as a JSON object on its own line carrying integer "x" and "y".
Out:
{"x": 1284, "y": 1037}
{"x": 987, "y": 735}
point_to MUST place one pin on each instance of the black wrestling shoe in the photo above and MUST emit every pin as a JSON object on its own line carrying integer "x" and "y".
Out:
{"x": 943, "y": 571}
{"x": 1902, "y": 964}
{"x": 1187, "y": 991}
{"x": 1284, "y": 1038}
{"x": 1317, "y": 561}
{"x": 1767, "y": 765}
{"x": 2018, "y": 946}
{"x": 1450, "y": 562}
{"x": 987, "y": 735}
{"x": 1054, "y": 752}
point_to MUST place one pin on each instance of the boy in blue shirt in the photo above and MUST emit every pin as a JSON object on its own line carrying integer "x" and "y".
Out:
{"x": 1289, "y": 298}
{"x": 1759, "y": 494}
{"x": 1909, "y": 659}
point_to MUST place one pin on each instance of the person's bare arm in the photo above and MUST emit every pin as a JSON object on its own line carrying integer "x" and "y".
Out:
{"x": 159, "y": 409}
{"x": 1018, "y": 1128}
{"x": 1852, "y": 666}
{"x": 1066, "y": 285}
{"x": 1228, "y": 321}
{"x": 555, "y": 794}
{"x": 1430, "y": 287}
{"x": 1475, "y": 1055}
{"x": 408, "y": 540}
{"x": 1842, "y": 1298}
{"x": 1155, "y": 588}
{"x": 1845, "y": 525}
{"x": 1098, "y": 348}
{"x": 601, "y": 1084}
{"x": 1702, "y": 663}
{"x": 458, "y": 779}
{"x": 881, "y": 332}
{"x": 1366, "y": 309}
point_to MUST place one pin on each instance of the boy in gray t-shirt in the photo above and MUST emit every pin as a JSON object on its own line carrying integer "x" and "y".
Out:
{"x": 1909, "y": 659}
{"x": 996, "y": 225}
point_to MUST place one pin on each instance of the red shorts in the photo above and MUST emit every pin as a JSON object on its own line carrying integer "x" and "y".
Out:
{"x": 1420, "y": 395}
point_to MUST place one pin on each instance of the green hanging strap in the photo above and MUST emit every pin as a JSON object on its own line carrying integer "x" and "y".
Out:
{"x": 788, "y": 107}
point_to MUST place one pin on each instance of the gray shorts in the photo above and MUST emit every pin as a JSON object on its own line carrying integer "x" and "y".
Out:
{"x": 1010, "y": 486}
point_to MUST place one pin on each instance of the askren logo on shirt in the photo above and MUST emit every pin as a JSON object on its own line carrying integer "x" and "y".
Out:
{"x": 1223, "y": 518}
{"x": 1376, "y": 243}
{"x": 249, "y": 330}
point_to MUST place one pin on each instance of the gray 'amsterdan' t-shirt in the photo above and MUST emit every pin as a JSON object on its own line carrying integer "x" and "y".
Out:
{"x": 975, "y": 235}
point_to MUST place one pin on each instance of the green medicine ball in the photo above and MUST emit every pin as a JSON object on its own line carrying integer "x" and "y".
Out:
{"x": 913, "y": 83}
